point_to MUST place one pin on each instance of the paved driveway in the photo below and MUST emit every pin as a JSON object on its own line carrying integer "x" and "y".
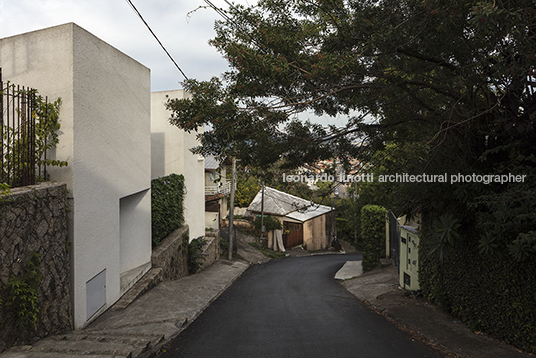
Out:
{"x": 293, "y": 307}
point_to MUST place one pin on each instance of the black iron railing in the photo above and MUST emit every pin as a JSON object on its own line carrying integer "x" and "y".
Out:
{"x": 18, "y": 159}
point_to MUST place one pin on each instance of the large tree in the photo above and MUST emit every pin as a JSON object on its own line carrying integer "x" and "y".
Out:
{"x": 443, "y": 86}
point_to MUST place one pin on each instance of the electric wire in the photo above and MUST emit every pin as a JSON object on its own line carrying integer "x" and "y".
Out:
{"x": 156, "y": 37}
{"x": 223, "y": 14}
{"x": 218, "y": 10}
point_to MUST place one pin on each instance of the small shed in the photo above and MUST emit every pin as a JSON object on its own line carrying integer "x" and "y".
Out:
{"x": 304, "y": 222}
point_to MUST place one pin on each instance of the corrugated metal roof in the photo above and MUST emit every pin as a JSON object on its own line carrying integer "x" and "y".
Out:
{"x": 279, "y": 203}
{"x": 211, "y": 163}
{"x": 309, "y": 213}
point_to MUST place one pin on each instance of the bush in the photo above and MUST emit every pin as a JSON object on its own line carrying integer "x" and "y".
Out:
{"x": 373, "y": 234}
{"x": 348, "y": 221}
{"x": 21, "y": 304}
{"x": 195, "y": 254}
{"x": 167, "y": 212}
{"x": 490, "y": 293}
{"x": 246, "y": 189}
{"x": 270, "y": 223}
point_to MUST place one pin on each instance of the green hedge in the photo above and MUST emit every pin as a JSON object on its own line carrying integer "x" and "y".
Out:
{"x": 167, "y": 211}
{"x": 494, "y": 294}
{"x": 373, "y": 235}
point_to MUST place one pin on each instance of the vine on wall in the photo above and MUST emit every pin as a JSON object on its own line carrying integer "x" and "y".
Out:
{"x": 32, "y": 133}
{"x": 20, "y": 303}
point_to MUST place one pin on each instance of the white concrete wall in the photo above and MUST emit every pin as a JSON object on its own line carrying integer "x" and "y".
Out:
{"x": 105, "y": 137}
{"x": 212, "y": 220}
{"x": 171, "y": 154}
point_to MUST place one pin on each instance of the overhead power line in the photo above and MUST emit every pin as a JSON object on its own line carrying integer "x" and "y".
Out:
{"x": 218, "y": 10}
{"x": 161, "y": 45}
{"x": 223, "y": 14}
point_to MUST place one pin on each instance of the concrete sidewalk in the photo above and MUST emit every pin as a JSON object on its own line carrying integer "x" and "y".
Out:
{"x": 380, "y": 290}
{"x": 158, "y": 316}
{"x": 146, "y": 324}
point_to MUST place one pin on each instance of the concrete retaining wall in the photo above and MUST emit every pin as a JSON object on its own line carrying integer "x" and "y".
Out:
{"x": 33, "y": 219}
{"x": 211, "y": 250}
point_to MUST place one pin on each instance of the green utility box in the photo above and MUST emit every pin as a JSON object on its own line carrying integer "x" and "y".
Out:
{"x": 409, "y": 258}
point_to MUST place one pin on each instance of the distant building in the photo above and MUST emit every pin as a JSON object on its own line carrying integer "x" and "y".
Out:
{"x": 217, "y": 188}
{"x": 304, "y": 222}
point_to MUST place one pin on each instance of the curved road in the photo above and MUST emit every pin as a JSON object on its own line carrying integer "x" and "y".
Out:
{"x": 293, "y": 308}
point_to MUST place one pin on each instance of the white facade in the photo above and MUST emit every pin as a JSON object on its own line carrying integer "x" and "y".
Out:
{"x": 105, "y": 137}
{"x": 217, "y": 189}
{"x": 171, "y": 154}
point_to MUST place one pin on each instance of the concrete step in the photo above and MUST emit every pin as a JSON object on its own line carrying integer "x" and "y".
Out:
{"x": 152, "y": 278}
{"x": 77, "y": 345}
{"x": 88, "y": 347}
{"x": 89, "y": 344}
{"x": 166, "y": 329}
{"x": 30, "y": 354}
{"x": 154, "y": 338}
{"x": 130, "y": 277}
{"x": 349, "y": 270}
{"x": 95, "y": 342}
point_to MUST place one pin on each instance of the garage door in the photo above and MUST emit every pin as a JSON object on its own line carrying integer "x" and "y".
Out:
{"x": 292, "y": 234}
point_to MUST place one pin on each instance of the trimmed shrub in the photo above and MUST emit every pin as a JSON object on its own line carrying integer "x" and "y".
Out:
{"x": 167, "y": 211}
{"x": 373, "y": 235}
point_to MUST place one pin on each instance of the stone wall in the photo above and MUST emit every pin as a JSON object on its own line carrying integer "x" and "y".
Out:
{"x": 33, "y": 219}
{"x": 239, "y": 223}
{"x": 211, "y": 249}
{"x": 172, "y": 255}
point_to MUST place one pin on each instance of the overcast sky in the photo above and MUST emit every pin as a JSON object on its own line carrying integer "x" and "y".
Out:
{"x": 184, "y": 32}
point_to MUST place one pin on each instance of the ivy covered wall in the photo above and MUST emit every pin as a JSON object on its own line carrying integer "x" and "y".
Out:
{"x": 167, "y": 206}
{"x": 494, "y": 294}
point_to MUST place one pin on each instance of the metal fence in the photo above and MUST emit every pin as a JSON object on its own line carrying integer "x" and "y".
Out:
{"x": 394, "y": 240}
{"x": 18, "y": 159}
{"x": 224, "y": 189}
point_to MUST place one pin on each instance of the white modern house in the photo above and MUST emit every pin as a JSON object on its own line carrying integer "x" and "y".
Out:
{"x": 170, "y": 153}
{"x": 106, "y": 138}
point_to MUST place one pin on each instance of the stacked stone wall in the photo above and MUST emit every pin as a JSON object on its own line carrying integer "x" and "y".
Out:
{"x": 172, "y": 255}
{"x": 33, "y": 219}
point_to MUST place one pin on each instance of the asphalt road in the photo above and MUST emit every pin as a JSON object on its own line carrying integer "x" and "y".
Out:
{"x": 293, "y": 308}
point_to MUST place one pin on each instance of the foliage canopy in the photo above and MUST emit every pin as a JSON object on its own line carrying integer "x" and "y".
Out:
{"x": 428, "y": 86}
